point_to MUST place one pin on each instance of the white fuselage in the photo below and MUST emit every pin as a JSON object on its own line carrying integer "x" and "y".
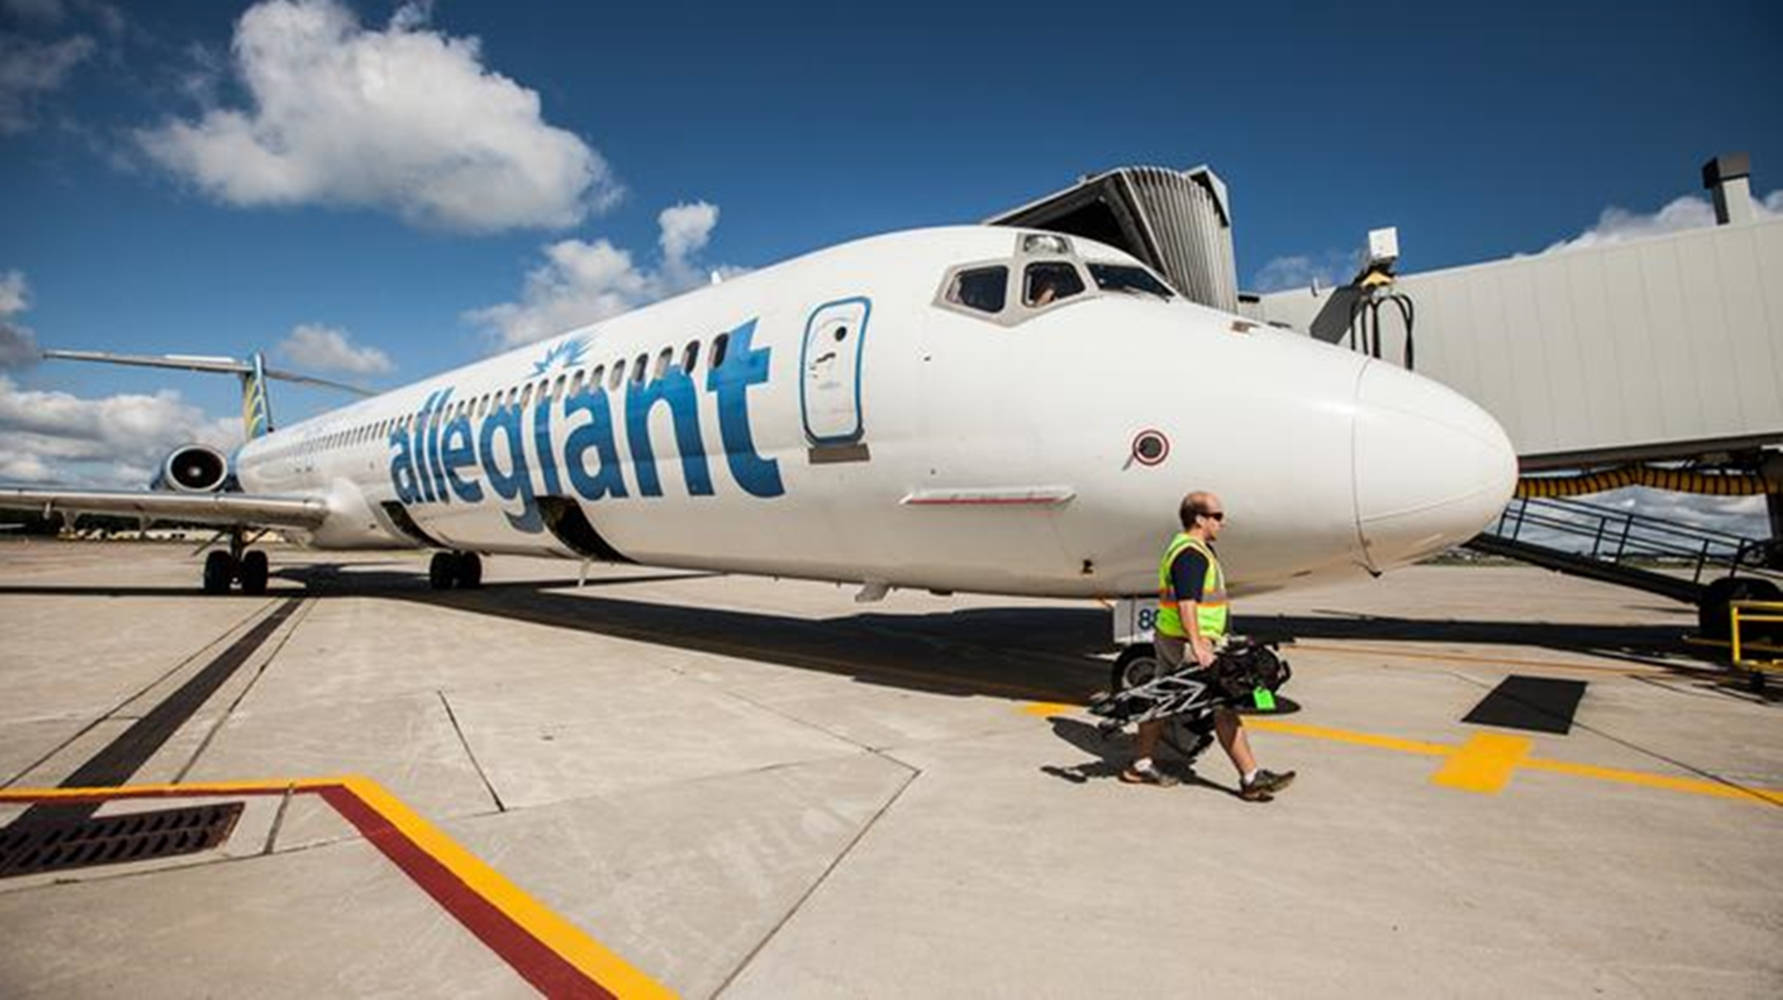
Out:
{"x": 865, "y": 426}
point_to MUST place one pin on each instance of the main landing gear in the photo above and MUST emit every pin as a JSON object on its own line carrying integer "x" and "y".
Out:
{"x": 463, "y": 570}
{"x": 239, "y": 565}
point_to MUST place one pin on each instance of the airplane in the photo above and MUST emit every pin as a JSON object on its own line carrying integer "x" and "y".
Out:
{"x": 965, "y": 408}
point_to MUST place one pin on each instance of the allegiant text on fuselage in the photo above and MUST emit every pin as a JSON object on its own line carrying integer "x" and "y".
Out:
{"x": 428, "y": 459}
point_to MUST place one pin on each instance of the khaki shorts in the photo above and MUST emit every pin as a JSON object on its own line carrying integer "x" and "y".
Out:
{"x": 1171, "y": 651}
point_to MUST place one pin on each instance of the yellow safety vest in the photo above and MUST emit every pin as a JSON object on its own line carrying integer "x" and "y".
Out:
{"x": 1210, "y": 611}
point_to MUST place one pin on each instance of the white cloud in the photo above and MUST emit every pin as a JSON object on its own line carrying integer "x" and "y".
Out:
{"x": 686, "y": 228}
{"x": 18, "y": 345}
{"x": 1333, "y": 267}
{"x": 312, "y": 345}
{"x": 1691, "y": 211}
{"x": 56, "y": 436}
{"x": 29, "y": 69}
{"x": 581, "y": 282}
{"x": 15, "y": 297}
{"x": 402, "y": 119}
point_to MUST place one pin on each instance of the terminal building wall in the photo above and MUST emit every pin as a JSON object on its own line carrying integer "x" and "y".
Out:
{"x": 1644, "y": 349}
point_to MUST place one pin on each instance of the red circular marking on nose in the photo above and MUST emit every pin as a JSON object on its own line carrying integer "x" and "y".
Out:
{"x": 1150, "y": 447}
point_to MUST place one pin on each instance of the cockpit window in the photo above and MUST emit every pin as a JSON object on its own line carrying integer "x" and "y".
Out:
{"x": 1048, "y": 282}
{"x": 1129, "y": 279}
{"x": 981, "y": 288}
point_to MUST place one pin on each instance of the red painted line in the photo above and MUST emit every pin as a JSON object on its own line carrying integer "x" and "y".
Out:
{"x": 546, "y": 970}
{"x": 986, "y": 500}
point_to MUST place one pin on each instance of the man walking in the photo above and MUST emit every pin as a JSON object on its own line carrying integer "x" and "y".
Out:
{"x": 1191, "y": 622}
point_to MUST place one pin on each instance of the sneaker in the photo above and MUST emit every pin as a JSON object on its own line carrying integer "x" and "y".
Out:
{"x": 1148, "y": 776}
{"x": 1263, "y": 787}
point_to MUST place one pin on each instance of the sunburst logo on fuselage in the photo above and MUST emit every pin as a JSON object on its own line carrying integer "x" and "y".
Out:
{"x": 565, "y": 354}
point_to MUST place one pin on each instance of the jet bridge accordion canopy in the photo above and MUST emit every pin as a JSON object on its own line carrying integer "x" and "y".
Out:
{"x": 1178, "y": 222}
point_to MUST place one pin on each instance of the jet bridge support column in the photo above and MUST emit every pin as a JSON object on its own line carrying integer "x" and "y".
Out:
{"x": 1772, "y": 469}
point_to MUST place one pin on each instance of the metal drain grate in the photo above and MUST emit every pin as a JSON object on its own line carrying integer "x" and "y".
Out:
{"x": 29, "y": 848}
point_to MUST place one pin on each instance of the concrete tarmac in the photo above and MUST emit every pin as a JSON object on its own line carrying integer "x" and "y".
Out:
{"x": 724, "y": 786}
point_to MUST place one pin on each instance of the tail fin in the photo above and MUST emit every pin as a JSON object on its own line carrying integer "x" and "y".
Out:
{"x": 256, "y": 409}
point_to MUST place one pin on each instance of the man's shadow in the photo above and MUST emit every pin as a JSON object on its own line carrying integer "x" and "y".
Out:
{"x": 1114, "y": 751}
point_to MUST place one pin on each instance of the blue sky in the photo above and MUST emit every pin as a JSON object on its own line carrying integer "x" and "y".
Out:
{"x": 214, "y": 177}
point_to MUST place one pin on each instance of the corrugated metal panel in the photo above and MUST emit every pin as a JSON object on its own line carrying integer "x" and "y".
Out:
{"x": 1192, "y": 230}
{"x": 1630, "y": 347}
{"x": 1178, "y": 222}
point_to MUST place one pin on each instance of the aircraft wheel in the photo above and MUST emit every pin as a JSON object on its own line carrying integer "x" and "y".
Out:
{"x": 253, "y": 572}
{"x": 469, "y": 572}
{"x": 1137, "y": 664}
{"x": 443, "y": 571}
{"x": 219, "y": 572}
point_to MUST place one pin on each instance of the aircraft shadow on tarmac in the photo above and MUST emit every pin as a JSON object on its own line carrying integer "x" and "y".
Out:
{"x": 1037, "y": 653}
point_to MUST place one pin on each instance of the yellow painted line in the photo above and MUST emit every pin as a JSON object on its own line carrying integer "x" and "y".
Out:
{"x": 1484, "y": 764}
{"x": 1044, "y": 708}
{"x": 1694, "y": 786}
{"x": 1488, "y": 760}
{"x": 594, "y": 960}
{"x": 1346, "y": 736}
{"x": 200, "y": 789}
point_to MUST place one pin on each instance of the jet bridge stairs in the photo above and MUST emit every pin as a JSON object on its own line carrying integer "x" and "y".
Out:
{"x": 1672, "y": 559}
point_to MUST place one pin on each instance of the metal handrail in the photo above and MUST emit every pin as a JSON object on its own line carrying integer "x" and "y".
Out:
{"x": 1571, "y": 503}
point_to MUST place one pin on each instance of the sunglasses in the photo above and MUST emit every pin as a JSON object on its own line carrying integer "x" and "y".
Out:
{"x": 1214, "y": 515}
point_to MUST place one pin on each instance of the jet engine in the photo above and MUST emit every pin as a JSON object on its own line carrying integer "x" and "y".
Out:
{"x": 193, "y": 468}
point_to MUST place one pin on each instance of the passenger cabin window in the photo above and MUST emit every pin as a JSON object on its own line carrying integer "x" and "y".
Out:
{"x": 981, "y": 288}
{"x": 1048, "y": 282}
{"x": 664, "y": 360}
{"x": 618, "y": 378}
{"x": 1129, "y": 279}
{"x": 719, "y": 343}
{"x": 638, "y": 369}
{"x": 576, "y": 382}
{"x": 690, "y": 357}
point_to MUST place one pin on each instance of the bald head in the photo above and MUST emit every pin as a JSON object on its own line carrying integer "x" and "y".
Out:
{"x": 1196, "y": 505}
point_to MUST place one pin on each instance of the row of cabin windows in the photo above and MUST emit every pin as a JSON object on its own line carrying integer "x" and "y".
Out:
{"x": 566, "y": 384}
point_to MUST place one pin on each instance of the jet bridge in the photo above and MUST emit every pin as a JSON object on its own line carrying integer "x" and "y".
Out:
{"x": 1653, "y": 362}
{"x": 1179, "y": 222}
{"x": 1599, "y": 359}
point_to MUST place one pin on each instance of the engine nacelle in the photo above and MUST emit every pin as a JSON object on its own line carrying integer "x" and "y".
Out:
{"x": 194, "y": 468}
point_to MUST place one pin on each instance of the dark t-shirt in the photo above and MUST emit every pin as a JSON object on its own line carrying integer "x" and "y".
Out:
{"x": 1188, "y": 573}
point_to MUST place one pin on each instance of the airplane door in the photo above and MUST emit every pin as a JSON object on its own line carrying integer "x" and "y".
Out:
{"x": 830, "y": 381}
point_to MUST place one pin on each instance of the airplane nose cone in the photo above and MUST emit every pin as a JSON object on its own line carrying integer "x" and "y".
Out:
{"x": 1431, "y": 467}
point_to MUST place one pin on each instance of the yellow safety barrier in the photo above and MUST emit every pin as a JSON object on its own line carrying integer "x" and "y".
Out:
{"x": 1740, "y": 612}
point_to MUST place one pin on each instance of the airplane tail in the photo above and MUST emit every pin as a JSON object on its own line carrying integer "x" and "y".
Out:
{"x": 256, "y": 407}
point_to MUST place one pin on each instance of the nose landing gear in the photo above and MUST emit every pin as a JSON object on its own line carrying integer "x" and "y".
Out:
{"x": 463, "y": 570}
